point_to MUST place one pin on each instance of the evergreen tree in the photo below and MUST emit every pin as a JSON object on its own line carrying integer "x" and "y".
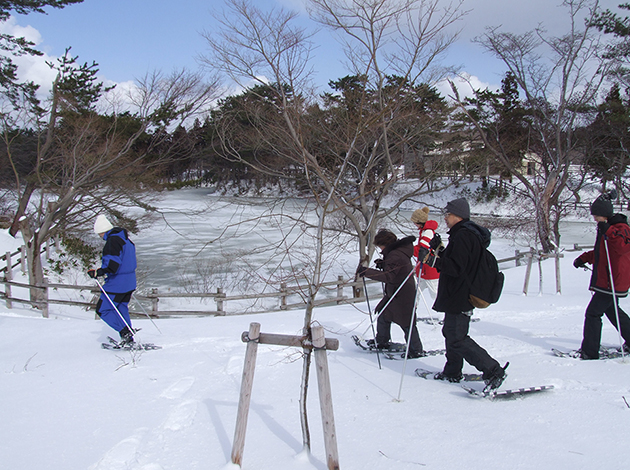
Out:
{"x": 10, "y": 87}
{"x": 607, "y": 140}
{"x": 618, "y": 50}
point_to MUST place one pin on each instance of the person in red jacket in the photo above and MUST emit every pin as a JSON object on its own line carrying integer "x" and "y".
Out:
{"x": 613, "y": 231}
{"x": 427, "y": 275}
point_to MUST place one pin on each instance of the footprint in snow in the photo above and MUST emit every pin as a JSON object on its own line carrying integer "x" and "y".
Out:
{"x": 178, "y": 388}
{"x": 182, "y": 416}
{"x": 122, "y": 456}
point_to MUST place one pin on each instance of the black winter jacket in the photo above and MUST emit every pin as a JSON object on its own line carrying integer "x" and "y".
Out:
{"x": 457, "y": 264}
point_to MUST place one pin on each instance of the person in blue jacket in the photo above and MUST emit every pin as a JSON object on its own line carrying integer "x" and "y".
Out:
{"x": 118, "y": 265}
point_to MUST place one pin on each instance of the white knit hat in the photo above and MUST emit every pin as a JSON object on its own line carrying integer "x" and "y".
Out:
{"x": 102, "y": 225}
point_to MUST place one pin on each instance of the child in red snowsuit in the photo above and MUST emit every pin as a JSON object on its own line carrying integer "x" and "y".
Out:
{"x": 427, "y": 275}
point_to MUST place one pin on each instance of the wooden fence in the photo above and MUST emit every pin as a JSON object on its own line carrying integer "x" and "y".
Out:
{"x": 288, "y": 297}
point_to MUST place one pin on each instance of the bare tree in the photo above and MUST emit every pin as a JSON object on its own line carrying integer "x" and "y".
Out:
{"x": 393, "y": 47}
{"x": 88, "y": 161}
{"x": 559, "y": 77}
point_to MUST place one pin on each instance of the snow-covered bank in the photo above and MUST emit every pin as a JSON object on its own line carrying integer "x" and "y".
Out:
{"x": 67, "y": 404}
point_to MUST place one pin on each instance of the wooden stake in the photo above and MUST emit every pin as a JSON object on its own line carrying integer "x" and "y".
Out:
{"x": 320, "y": 344}
{"x": 325, "y": 398}
{"x": 8, "y": 276}
{"x": 528, "y": 271}
{"x": 246, "y": 393}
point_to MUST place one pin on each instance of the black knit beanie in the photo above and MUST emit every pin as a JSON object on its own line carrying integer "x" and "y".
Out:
{"x": 459, "y": 207}
{"x": 603, "y": 204}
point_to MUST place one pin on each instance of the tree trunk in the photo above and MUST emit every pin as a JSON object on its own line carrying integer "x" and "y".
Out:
{"x": 21, "y": 210}
{"x": 35, "y": 268}
{"x": 306, "y": 369}
{"x": 543, "y": 226}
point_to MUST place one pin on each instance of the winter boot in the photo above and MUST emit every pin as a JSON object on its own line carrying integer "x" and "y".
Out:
{"x": 448, "y": 378}
{"x": 497, "y": 378}
{"x": 412, "y": 354}
{"x": 374, "y": 345}
{"x": 126, "y": 337}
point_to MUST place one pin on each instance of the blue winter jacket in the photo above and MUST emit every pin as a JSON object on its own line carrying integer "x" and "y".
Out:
{"x": 119, "y": 262}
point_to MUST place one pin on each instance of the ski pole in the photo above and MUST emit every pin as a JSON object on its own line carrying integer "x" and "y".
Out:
{"x": 397, "y": 290}
{"x": 145, "y": 312}
{"x": 113, "y": 305}
{"x": 433, "y": 320}
{"x": 612, "y": 285}
{"x": 412, "y": 324}
{"x": 378, "y": 357}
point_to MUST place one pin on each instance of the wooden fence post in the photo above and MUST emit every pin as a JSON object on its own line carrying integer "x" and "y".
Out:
{"x": 246, "y": 393}
{"x": 558, "y": 284}
{"x": 154, "y": 300}
{"x": 219, "y": 300}
{"x": 339, "y": 289}
{"x": 45, "y": 295}
{"x": 8, "y": 275}
{"x": 528, "y": 271}
{"x": 325, "y": 398}
{"x": 283, "y": 296}
{"x": 518, "y": 258}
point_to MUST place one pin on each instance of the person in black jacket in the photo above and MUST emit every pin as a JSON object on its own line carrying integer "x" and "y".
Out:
{"x": 396, "y": 269}
{"x": 457, "y": 264}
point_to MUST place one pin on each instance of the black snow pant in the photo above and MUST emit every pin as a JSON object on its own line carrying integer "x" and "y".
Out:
{"x": 383, "y": 334}
{"x": 460, "y": 346}
{"x": 599, "y": 305}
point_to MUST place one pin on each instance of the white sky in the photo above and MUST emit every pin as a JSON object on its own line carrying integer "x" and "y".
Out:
{"x": 129, "y": 38}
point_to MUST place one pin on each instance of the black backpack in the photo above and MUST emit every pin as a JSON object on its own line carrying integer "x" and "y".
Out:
{"x": 486, "y": 286}
{"x": 487, "y": 283}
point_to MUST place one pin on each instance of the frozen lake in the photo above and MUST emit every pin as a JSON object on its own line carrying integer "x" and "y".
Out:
{"x": 199, "y": 240}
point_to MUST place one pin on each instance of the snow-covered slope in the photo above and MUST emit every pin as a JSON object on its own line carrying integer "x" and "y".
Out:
{"x": 68, "y": 404}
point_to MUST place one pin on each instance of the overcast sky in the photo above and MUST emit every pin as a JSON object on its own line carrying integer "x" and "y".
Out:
{"x": 129, "y": 38}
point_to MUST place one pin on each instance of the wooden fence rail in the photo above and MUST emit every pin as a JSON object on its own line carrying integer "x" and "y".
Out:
{"x": 286, "y": 295}
{"x": 154, "y": 297}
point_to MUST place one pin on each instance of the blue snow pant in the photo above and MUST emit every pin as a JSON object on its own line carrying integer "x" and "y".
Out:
{"x": 599, "y": 305}
{"x": 460, "y": 346}
{"x": 108, "y": 313}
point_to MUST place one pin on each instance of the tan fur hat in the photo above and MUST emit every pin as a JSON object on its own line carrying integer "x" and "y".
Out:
{"x": 420, "y": 216}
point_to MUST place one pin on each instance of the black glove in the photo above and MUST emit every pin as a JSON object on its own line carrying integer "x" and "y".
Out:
{"x": 579, "y": 263}
{"x": 361, "y": 270}
{"x": 602, "y": 227}
{"x": 435, "y": 242}
{"x": 94, "y": 273}
{"x": 433, "y": 257}
{"x": 422, "y": 254}
{"x": 380, "y": 264}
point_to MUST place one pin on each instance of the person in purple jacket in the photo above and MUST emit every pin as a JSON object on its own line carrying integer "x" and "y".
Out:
{"x": 118, "y": 265}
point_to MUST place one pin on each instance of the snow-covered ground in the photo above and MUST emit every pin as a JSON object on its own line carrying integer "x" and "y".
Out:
{"x": 68, "y": 404}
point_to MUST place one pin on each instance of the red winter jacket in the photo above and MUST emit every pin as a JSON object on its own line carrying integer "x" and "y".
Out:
{"x": 426, "y": 234}
{"x": 617, "y": 234}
